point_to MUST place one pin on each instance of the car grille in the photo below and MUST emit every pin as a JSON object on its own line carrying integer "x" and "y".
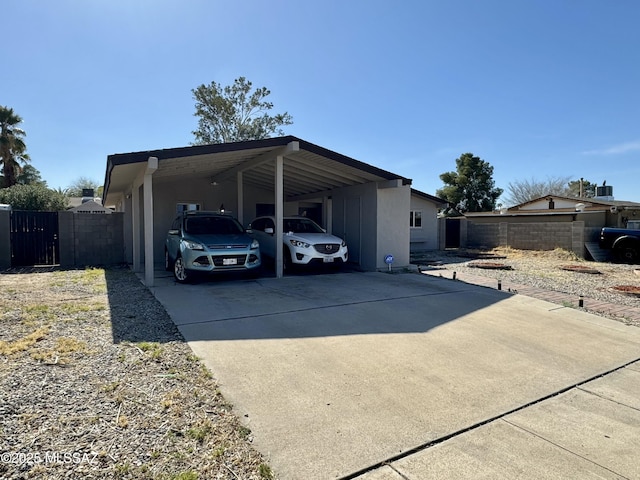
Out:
{"x": 219, "y": 261}
{"x": 327, "y": 248}
{"x": 224, "y": 247}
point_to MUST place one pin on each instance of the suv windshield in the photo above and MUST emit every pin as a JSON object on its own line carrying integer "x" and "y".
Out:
{"x": 301, "y": 225}
{"x": 212, "y": 226}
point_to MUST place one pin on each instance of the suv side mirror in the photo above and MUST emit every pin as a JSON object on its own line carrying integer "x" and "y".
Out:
{"x": 268, "y": 230}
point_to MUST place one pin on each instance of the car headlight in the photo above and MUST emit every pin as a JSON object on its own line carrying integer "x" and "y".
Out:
{"x": 299, "y": 244}
{"x": 192, "y": 245}
{"x": 255, "y": 245}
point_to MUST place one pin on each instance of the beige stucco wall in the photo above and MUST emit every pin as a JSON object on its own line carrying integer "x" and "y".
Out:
{"x": 393, "y": 226}
{"x": 425, "y": 237}
{"x": 381, "y": 226}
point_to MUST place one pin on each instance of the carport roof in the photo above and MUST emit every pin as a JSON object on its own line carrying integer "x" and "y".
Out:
{"x": 310, "y": 170}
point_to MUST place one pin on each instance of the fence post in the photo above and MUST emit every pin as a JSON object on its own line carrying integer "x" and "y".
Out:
{"x": 66, "y": 239}
{"x": 5, "y": 239}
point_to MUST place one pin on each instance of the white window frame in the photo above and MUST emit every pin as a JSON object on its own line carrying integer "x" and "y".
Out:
{"x": 412, "y": 218}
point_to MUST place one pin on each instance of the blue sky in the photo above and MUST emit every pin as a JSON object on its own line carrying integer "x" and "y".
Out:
{"x": 537, "y": 88}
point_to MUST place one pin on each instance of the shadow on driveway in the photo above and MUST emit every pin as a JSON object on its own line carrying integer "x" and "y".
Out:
{"x": 318, "y": 305}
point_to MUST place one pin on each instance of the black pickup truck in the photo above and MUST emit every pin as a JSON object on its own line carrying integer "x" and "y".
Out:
{"x": 624, "y": 242}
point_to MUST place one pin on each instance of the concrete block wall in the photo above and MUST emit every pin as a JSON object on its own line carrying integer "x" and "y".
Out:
{"x": 98, "y": 239}
{"x": 530, "y": 236}
{"x": 539, "y": 236}
{"x": 578, "y": 234}
{"x": 91, "y": 239}
{"x": 482, "y": 235}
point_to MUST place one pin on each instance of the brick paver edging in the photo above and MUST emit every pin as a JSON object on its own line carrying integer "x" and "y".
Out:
{"x": 618, "y": 312}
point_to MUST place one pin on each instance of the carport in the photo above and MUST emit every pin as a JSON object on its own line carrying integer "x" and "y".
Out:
{"x": 365, "y": 205}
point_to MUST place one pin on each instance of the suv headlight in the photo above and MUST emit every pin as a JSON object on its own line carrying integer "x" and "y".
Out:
{"x": 299, "y": 244}
{"x": 192, "y": 245}
{"x": 255, "y": 245}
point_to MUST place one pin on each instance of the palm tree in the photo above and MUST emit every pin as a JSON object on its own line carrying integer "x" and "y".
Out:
{"x": 12, "y": 146}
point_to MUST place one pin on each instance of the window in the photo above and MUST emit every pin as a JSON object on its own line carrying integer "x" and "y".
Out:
{"x": 415, "y": 218}
{"x": 182, "y": 207}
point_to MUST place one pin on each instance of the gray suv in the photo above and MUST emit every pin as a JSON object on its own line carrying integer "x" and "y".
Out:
{"x": 209, "y": 242}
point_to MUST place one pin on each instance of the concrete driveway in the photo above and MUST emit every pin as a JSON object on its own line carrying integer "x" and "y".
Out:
{"x": 338, "y": 374}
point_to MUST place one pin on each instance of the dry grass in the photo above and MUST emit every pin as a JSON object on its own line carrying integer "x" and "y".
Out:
{"x": 91, "y": 365}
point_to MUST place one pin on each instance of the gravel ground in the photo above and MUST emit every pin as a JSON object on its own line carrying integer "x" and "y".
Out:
{"x": 542, "y": 270}
{"x": 96, "y": 382}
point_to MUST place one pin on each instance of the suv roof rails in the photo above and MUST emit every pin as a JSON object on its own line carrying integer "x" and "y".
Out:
{"x": 205, "y": 212}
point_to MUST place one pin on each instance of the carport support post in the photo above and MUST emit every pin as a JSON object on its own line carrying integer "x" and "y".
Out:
{"x": 240, "y": 215}
{"x": 152, "y": 166}
{"x": 279, "y": 200}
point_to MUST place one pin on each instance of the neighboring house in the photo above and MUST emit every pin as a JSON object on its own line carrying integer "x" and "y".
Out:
{"x": 363, "y": 204}
{"x": 423, "y": 221}
{"x": 90, "y": 207}
{"x": 77, "y": 201}
{"x": 595, "y": 212}
{"x": 548, "y": 222}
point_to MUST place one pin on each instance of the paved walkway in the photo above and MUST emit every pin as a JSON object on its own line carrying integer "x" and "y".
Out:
{"x": 590, "y": 305}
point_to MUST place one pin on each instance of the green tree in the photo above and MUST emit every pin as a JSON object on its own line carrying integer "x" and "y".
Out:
{"x": 34, "y": 196}
{"x": 80, "y": 183}
{"x": 521, "y": 191}
{"x": 471, "y": 187}
{"x": 12, "y": 146}
{"x": 588, "y": 188}
{"x": 30, "y": 175}
{"x": 233, "y": 113}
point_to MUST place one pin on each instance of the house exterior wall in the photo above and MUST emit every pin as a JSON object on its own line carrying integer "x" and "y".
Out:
{"x": 393, "y": 235}
{"x": 377, "y": 228}
{"x": 200, "y": 191}
{"x": 425, "y": 237}
{"x": 543, "y": 204}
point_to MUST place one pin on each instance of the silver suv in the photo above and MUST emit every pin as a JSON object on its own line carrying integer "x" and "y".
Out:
{"x": 209, "y": 242}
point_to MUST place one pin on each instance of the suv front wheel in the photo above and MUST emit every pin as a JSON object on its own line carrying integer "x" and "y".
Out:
{"x": 179, "y": 271}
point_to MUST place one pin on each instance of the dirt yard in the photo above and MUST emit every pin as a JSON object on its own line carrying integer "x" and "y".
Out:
{"x": 96, "y": 382}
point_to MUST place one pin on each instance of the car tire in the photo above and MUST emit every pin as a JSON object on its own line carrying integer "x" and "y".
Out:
{"x": 287, "y": 263}
{"x": 627, "y": 252}
{"x": 168, "y": 265}
{"x": 180, "y": 273}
